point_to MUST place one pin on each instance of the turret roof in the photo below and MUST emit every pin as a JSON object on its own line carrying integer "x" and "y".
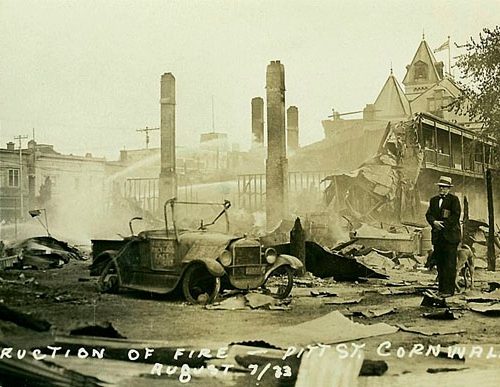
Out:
{"x": 391, "y": 100}
{"x": 423, "y": 54}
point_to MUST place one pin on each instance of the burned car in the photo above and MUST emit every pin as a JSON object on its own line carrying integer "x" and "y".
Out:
{"x": 198, "y": 261}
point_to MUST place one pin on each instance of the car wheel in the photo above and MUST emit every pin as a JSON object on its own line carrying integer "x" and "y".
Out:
{"x": 199, "y": 286}
{"x": 280, "y": 282}
{"x": 109, "y": 282}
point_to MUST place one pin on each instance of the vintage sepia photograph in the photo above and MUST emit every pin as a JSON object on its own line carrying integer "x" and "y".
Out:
{"x": 249, "y": 193}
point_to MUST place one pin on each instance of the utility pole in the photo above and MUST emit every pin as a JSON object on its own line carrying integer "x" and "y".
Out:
{"x": 491, "y": 222}
{"x": 21, "y": 138}
{"x": 147, "y": 130}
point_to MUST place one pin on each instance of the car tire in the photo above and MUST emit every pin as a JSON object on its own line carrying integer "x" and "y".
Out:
{"x": 284, "y": 290}
{"x": 109, "y": 280}
{"x": 199, "y": 286}
{"x": 100, "y": 262}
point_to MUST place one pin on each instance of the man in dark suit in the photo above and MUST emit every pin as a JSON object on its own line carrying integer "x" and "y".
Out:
{"x": 443, "y": 215}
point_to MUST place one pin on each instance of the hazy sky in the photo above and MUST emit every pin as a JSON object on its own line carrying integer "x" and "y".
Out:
{"x": 86, "y": 74}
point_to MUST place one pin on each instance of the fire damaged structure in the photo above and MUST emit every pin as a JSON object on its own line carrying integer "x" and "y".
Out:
{"x": 396, "y": 182}
{"x": 380, "y": 167}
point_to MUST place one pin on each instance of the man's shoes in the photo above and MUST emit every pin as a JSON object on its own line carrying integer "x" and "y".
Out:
{"x": 445, "y": 295}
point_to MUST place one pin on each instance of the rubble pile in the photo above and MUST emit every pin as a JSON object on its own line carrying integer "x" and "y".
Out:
{"x": 43, "y": 252}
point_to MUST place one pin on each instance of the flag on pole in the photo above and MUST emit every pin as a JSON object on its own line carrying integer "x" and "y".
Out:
{"x": 444, "y": 46}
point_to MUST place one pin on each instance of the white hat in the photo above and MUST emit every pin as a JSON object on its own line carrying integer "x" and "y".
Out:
{"x": 444, "y": 181}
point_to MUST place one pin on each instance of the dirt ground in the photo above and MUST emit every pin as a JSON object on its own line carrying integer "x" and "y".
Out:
{"x": 68, "y": 298}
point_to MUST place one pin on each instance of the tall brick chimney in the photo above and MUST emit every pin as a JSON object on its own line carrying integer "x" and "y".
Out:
{"x": 292, "y": 132}
{"x": 276, "y": 163}
{"x": 168, "y": 179}
{"x": 257, "y": 122}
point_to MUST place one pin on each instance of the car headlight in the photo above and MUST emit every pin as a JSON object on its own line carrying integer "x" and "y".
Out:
{"x": 271, "y": 255}
{"x": 226, "y": 258}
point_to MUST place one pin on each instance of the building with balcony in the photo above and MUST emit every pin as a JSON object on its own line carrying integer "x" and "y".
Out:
{"x": 443, "y": 142}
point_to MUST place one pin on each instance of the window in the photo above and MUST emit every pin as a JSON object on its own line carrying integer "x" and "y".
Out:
{"x": 478, "y": 152}
{"x": 428, "y": 134}
{"x": 420, "y": 70}
{"x": 432, "y": 105}
{"x": 13, "y": 177}
{"x": 443, "y": 142}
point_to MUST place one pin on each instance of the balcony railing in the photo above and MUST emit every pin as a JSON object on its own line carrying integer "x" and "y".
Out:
{"x": 478, "y": 167}
{"x": 430, "y": 156}
{"x": 443, "y": 160}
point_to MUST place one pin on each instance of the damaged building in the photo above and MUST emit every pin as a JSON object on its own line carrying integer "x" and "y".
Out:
{"x": 398, "y": 180}
{"x": 35, "y": 175}
{"x": 383, "y": 166}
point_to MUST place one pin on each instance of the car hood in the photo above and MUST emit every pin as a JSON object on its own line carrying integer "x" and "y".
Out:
{"x": 203, "y": 244}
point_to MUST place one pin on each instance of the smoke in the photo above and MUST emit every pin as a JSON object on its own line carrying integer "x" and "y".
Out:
{"x": 81, "y": 215}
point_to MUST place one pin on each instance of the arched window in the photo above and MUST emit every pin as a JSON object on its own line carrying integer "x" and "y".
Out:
{"x": 421, "y": 71}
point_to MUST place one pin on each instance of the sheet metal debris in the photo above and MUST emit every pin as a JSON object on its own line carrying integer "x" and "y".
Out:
{"x": 323, "y": 263}
{"x": 397, "y": 291}
{"x": 447, "y": 314}
{"x": 408, "y": 263}
{"x": 398, "y": 283}
{"x": 42, "y": 252}
{"x": 250, "y": 300}
{"x": 308, "y": 280}
{"x": 323, "y": 293}
{"x": 485, "y": 297}
{"x": 256, "y": 300}
{"x": 376, "y": 261}
{"x": 371, "y": 313}
{"x": 342, "y": 301}
{"x": 342, "y": 245}
{"x": 331, "y": 328}
{"x": 427, "y": 331}
{"x": 233, "y": 303}
{"x": 492, "y": 309}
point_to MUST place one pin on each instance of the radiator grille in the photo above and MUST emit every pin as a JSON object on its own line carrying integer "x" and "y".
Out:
{"x": 247, "y": 255}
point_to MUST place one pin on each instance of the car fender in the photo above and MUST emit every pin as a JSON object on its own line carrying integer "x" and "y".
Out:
{"x": 101, "y": 261}
{"x": 213, "y": 266}
{"x": 285, "y": 259}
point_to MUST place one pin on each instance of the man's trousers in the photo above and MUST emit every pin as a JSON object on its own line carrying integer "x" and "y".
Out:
{"x": 445, "y": 254}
